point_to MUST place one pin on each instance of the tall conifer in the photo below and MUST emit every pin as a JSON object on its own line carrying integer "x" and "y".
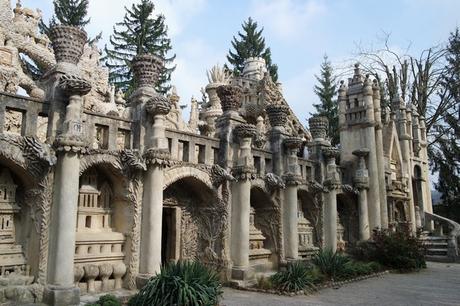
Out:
{"x": 139, "y": 33}
{"x": 326, "y": 90}
{"x": 250, "y": 43}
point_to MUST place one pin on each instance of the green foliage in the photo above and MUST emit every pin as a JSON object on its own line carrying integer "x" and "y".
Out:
{"x": 106, "y": 300}
{"x": 356, "y": 268}
{"x": 183, "y": 283}
{"x": 296, "y": 277}
{"x": 330, "y": 264}
{"x": 67, "y": 12}
{"x": 250, "y": 43}
{"x": 139, "y": 33}
{"x": 445, "y": 156}
{"x": 396, "y": 250}
{"x": 326, "y": 90}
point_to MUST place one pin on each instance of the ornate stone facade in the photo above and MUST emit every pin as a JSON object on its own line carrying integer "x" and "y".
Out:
{"x": 97, "y": 190}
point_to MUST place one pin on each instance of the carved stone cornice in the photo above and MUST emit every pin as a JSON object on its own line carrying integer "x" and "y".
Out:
{"x": 132, "y": 160}
{"x": 69, "y": 143}
{"x": 146, "y": 69}
{"x": 242, "y": 131}
{"x": 68, "y": 43}
{"x": 74, "y": 85}
{"x": 277, "y": 115}
{"x": 159, "y": 157}
{"x": 363, "y": 152}
{"x": 244, "y": 173}
{"x": 230, "y": 97}
{"x": 347, "y": 188}
{"x": 318, "y": 127}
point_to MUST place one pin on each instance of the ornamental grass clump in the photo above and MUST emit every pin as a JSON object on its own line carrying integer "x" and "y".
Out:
{"x": 183, "y": 283}
{"x": 296, "y": 277}
{"x": 332, "y": 264}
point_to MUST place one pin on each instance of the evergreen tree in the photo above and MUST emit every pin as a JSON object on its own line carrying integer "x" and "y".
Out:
{"x": 67, "y": 12}
{"x": 446, "y": 156}
{"x": 326, "y": 90}
{"x": 139, "y": 33}
{"x": 250, "y": 43}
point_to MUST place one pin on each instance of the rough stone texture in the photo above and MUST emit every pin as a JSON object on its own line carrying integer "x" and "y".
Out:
{"x": 437, "y": 285}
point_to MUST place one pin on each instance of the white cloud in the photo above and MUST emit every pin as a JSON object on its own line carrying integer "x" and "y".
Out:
{"x": 286, "y": 18}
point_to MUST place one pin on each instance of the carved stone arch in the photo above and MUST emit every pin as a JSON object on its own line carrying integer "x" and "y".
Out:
{"x": 174, "y": 174}
{"x": 88, "y": 161}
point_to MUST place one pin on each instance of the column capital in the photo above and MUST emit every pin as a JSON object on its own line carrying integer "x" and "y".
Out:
{"x": 157, "y": 105}
{"x": 230, "y": 97}
{"x": 244, "y": 131}
{"x": 332, "y": 184}
{"x": 331, "y": 153}
{"x": 277, "y": 115}
{"x": 159, "y": 157}
{"x": 292, "y": 179}
{"x": 318, "y": 127}
{"x": 68, "y": 43}
{"x": 244, "y": 172}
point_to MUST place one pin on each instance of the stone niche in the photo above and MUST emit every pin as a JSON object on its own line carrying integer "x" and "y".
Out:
{"x": 99, "y": 253}
{"x": 305, "y": 230}
{"x": 14, "y": 270}
{"x": 259, "y": 256}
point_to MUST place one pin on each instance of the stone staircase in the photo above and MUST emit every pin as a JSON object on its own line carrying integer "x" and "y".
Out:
{"x": 442, "y": 241}
{"x": 436, "y": 248}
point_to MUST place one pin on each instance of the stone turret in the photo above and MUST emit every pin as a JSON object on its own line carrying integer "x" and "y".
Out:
{"x": 254, "y": 68}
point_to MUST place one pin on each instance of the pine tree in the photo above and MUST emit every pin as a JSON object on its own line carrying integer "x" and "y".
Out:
{"x": 446, "y": 157}
{"x": 326, "y": 90}
{"x": 67, "y": 12}
{"x": 138, "y": 33}
{"x": 250, "y": 43}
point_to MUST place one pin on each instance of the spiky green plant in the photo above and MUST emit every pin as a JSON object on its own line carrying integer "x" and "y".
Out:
{"x": 331, "y": 264}
{"x": 183, "y": 283}
{"x": 296, "y": 277}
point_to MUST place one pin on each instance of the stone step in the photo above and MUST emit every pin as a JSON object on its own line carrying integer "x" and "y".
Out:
{"x": 436, "y": 252}
{"x": 435, "y": 238}
{"x": 437, "y": 258}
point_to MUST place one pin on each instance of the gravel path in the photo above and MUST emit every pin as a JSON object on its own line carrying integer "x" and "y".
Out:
{"x": 439, "y": 284}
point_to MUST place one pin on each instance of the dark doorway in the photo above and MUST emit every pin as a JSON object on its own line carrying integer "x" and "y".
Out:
{"x": 168, "y": 235}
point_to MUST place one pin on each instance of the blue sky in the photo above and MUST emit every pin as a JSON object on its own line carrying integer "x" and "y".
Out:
{"x": 299, "y": 33}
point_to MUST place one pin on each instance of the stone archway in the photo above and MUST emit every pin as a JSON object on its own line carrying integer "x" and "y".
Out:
{"x": 194, "y": 219}
{"x": 309, "y": 223}
{"x": 104, "y": 220}
{"x": 347, "y": 220}
{"x": 264, "y": 230}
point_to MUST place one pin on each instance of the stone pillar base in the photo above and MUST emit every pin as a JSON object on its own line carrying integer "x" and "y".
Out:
{"x": 242, "y": 275}
{"x": 61, "y": 296}
{"x": 142, "y": 279}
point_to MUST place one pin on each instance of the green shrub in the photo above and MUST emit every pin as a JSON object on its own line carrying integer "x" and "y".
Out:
{"x": 183, "y": 283}
{"x": 296, "y": 277}
{"x": 332, "y": 265}
{"x": 396, "y": 250}
{"x": 106, "y": 300}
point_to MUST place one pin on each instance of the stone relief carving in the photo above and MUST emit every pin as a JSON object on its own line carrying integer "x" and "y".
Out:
{"x": 219, "y": 175}
{"x": 274, "y": 182}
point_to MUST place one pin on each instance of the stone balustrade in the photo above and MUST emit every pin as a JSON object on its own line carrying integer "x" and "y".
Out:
{"x": 101, "y": 277}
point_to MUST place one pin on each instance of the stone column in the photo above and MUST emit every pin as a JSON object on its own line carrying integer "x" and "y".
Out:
{"x": 380, "y": 156}
{"x": 332, "y": 183}
{"x": 361, "y": 180}
{"x": 292, "y": 178}
{"x": 155, "y": 107}
{"x": 60, "y": 289}
{"x": 241, "y": 204}
{"x": 374, "y": 184}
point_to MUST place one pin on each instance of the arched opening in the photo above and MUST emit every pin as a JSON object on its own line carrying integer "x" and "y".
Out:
{"x": 263, "y": 231}
{"x": 309, "y": 224}
{"x": 194, "y": 220}
{"x": 103, "y": 220}
{"x": 347, "y": 220}
{"x": 19, "y": 237}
